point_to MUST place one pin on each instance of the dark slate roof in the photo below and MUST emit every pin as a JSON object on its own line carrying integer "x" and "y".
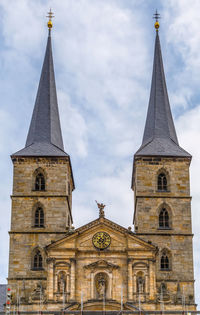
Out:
{"x": 44, "y": 136}
{"x": 40, "y": 149}
{"x": 2, "y": 296}
{"x": 159, "y": 134}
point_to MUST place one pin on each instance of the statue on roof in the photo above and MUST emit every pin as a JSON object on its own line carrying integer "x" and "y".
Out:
{"x": 101, "y": 207}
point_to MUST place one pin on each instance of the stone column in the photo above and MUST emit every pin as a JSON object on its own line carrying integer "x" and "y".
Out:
{"x": 151, "y": 280}
{"x": 50, "y": 286}
{"x": 92, "y": 285}
{"x": 56, "y": 282}
{"x": 114, "y": 285}
{"x": 134, "y": 286}
{"x": 72, "y": 280}
{"x": 146, "y": 284}
{"x": 67, "y": 287}
{"x": 130, "y": 280}
{"x": 110, "y": 286}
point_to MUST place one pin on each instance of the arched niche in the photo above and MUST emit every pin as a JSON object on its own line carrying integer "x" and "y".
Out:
{"x": 101, "y": 286}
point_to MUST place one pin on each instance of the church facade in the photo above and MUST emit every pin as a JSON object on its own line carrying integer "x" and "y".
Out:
{"x": 101, "y": 265}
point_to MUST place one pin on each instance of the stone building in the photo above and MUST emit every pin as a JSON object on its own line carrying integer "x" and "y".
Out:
{"x": 53, "y": 266}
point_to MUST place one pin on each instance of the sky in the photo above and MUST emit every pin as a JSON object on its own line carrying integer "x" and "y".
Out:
{"x": 103, "y": 56}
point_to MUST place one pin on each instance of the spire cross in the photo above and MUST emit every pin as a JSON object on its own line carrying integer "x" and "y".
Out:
{"x": 50, "y": 16}
{"x": 156, "y": 16}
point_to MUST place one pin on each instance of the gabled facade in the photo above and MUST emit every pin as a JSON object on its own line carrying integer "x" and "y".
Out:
{"x": 101, "y": 265}
{"x": 83, "y": 266}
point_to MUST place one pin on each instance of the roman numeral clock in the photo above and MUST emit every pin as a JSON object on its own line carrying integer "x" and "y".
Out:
{"x": 101, "y": 240}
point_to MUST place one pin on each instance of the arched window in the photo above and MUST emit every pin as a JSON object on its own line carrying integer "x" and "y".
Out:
{"x": 163, "y": 219}
{"x": 37, "y": 260}
{"x": 164, "y": 261}
{"x": 39, "y": 217}
{"x": 162, "y": 182}
{"x": 39, "y": 182}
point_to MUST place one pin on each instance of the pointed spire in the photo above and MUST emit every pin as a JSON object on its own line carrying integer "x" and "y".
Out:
{"x": 44, "y": 136}
{"x": 159, "y": 134}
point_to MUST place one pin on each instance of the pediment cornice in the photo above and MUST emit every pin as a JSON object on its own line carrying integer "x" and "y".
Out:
{"x": 101, "y": 264}
{"x": 105, "y": 222}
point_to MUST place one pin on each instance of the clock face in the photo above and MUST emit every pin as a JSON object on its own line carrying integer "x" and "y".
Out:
{"x": 101, "y": 240}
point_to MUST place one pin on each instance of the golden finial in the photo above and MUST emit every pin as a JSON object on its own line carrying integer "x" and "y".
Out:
{"x": 156, "y": 17}
{"x": 50, "y": 16}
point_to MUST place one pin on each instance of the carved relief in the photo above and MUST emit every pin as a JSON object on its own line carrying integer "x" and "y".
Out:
{"x": 38, "y": 293}
{"x": 163, "y": 293}
{"x": 50, "y": 260}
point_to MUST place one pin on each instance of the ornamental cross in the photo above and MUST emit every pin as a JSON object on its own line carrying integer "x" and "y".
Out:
{"x": 50, "y": 15}
{"x": 156, "y": 16}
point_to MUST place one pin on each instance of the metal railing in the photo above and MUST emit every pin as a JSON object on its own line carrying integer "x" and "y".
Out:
{"x": 100, "y": 312}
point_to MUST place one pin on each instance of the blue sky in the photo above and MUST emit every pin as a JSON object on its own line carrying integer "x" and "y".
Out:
{"x": 103, "y": 55}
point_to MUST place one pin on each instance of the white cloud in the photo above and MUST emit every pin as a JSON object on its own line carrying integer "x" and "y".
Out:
{"x": 73, "y": 126}
{"x": 113, "y": 190}
{"x": 181, "y": 28}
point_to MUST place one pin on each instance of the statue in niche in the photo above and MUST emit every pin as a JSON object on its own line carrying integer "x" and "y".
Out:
{"x": 140, "y": 285}
{"x": 101, "y": 285}
{"x": 61, "y": 282}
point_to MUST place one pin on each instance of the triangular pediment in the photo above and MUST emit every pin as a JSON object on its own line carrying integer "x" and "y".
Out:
{"x": 101, "y": 264}
{"x": 121, "y": 239}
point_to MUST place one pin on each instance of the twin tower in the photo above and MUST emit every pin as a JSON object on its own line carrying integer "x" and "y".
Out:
{"x": 53, "y": 266}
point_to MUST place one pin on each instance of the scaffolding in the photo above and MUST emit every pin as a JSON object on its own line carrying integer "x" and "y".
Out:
{"x": 103, "y": 312}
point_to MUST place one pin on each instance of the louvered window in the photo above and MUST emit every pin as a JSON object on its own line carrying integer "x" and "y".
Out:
{"x": 162, "y": 182}
{"x": 39, "y": 217}
{"x": 37, "y": 260}
{"x": 164, "y": 219}
{"x": 39, "y": 182}
{"x": 164, "y": 262}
